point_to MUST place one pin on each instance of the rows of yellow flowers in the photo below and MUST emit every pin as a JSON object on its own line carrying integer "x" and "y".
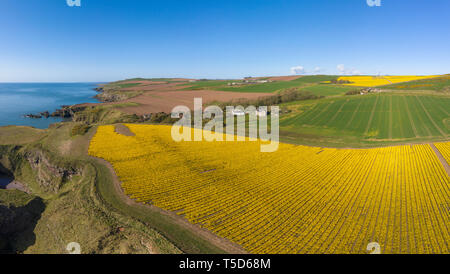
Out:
{"x": 298, "y": 199}
{"x": 371, "y": 81}
{"x": 444, "y": 148}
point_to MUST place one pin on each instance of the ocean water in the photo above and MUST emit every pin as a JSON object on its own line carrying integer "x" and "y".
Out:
{"x": 4, "y": 181}
{"x": 18, "y": 99}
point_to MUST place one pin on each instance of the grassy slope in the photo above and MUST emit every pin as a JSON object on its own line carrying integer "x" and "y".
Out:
{"x": 9, "y": 134}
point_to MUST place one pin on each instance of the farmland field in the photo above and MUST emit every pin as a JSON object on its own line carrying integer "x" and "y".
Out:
{"x": 379, "y": 117}
{"x": 297, "y": 200}
{"x": 371, "y": 81}
{"x": 327, "y": 90}
{"x": 264, "y": 87}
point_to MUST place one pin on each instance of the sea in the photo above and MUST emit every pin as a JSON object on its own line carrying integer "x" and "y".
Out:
{"x": 19, "y": 99}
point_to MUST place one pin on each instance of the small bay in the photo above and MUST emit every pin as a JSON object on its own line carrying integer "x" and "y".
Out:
{"x": 19, "y": 99}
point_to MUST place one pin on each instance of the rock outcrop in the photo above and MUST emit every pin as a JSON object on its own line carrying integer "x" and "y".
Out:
{"x": 49, "y": 176}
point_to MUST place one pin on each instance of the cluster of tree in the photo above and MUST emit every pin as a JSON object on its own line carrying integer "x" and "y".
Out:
{"x": 336, "y": 81}
{"x": 353, "y": 92}
{"x": 80, "y": 129}
{"x": 288, "y": 95}
{"x": 158, "y": 118}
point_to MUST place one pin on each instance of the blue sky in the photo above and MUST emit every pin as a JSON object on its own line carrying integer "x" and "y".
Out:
{"x": 105, "y": 40}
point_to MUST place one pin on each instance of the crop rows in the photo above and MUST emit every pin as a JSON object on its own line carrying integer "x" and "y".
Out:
{"x": 444, "y": 148}
{"x": 381, "y": 117}
{"x": 296, "y": 200}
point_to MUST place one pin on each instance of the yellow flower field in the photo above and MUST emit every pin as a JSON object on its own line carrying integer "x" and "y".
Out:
{"x": 297, "y": 200}
{"x": 372, "y": 81}
{"x": 444, "y": 148}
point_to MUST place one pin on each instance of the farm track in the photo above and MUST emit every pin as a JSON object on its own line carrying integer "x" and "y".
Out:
{"x": 441, "y": 158}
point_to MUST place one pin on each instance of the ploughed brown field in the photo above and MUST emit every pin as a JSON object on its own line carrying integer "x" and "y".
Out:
{"x": 284, "y": 78}
{"x": 165, "y": 101}
{"x": 163, "y": 97}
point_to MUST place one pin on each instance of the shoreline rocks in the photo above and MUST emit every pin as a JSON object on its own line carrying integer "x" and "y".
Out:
{"x": 63, "y": 112}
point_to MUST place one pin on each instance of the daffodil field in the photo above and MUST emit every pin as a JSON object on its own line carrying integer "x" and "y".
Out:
{"x": 298, "y": 199}
{"x": 444, "y": 148}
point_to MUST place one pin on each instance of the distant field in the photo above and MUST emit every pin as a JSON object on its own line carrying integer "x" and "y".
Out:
{"x": 263, "y": 88}
{"x": 373, "y": 117}
{"x": 298, "y": 199}
{"x": 207, "y": 84}
{"x": 274, "y": 86}
{"x": 371, "y": 81}
{"x": 327, "y": 89}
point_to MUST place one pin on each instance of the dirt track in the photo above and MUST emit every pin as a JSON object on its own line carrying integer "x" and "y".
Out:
{"x": 441, "y": 159}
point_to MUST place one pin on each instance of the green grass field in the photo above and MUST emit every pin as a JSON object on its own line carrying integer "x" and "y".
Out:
{"x": 327, "y": 89}
{"x": 379, "y": 117}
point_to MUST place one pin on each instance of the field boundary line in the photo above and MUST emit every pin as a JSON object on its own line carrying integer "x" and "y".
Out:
{"x": 410, "y": 118}
{"x": 431, "y": 119}
{"x": 371, "y": 116}
{"x": 441, "y": 158}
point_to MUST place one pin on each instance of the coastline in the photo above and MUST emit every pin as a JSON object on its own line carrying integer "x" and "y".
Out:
{"x": 41, "y": 104}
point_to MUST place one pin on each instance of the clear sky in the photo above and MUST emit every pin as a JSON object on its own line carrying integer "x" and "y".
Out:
{"x": 105, "y": 40}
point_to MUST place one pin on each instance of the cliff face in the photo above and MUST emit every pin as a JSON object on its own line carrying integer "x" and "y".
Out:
{"x": 109, "y": 97}
{"x": 115, "y": 93}
{"x": 49, "y": 176}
